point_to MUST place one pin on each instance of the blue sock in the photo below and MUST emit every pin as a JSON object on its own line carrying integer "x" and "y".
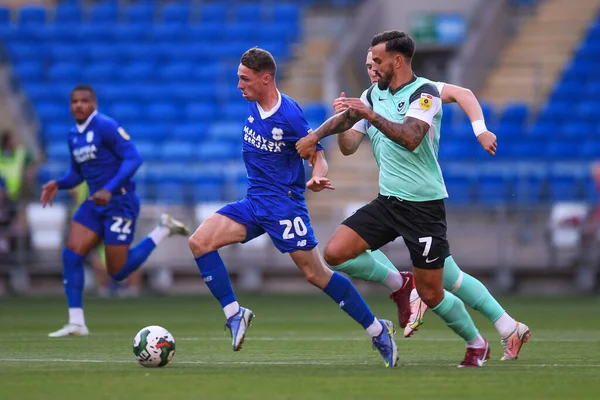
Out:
{"x": 137, "y": 256}
{"x": 215, "y": 275}
{"x": 343, "y": 292}
{"x": 73, "y": 278}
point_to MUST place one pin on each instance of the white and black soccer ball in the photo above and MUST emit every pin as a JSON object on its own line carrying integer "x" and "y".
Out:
{"x": 153, "y": 346}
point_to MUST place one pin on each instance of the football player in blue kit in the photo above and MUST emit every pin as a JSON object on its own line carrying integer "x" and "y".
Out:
{"x": 275, "y": 205}
{"x": 104, "y": 156}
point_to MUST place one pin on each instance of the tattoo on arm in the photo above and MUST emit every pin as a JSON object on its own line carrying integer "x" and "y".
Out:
{"x": 408, "y": 134}
{"x": 337, "y": 124}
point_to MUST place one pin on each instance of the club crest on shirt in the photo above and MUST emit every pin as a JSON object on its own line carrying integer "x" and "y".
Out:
{"x": 400, "y": 106}
{"x": 89, "y": 137}
{"x": 425, "y": 101}
{"x": 123, "y": 133}
{"x": 277, "y": 134}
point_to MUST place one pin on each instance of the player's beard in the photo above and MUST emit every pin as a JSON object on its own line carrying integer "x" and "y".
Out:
{"x": 384, "y": 81}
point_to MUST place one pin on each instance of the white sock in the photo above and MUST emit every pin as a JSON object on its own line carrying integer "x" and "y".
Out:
{"x": 158, "y": 234}
{"x": 394, "y": 281}
{"x": 231, "y": 309}
{"x": 76, "y": 316}
{"x": 477, "y": 343}
{"x": 505, "y": 325}
{"x": 375, "y": 328}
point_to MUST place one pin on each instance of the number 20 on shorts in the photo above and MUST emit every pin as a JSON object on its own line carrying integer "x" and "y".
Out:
{"x": 298, "y": 226}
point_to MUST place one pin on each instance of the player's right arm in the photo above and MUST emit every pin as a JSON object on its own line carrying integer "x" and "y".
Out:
{"x": 350, "y": 140}
{"x": 470, "y": 105}
{"x": 71, "y": 179}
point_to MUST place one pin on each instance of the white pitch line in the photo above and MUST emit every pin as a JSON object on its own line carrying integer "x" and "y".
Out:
{"x": 351, "y": 339}
{"x": 505, "y": 365}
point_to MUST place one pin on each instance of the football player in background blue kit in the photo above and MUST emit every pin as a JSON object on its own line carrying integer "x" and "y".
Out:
{"x": 102, "y": 155}
{"x": 275, "y": 204}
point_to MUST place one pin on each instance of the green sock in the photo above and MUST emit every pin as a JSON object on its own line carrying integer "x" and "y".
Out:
{"x": 471, "y": 291}
{"x": 453, "y": 312}
{"x": 366, "y": 267}
{"x": 382, "y": 258}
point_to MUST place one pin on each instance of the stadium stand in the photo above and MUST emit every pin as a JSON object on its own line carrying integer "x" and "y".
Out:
{"x": 168, "y": 74}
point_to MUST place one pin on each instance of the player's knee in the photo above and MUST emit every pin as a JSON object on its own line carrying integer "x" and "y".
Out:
{"x": 334, "y": 255}
{"x": 200, "y": 244}
{"x": 431, "y": 295}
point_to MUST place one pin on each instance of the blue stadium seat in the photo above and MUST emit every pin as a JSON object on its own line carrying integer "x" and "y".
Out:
{"x": 24, "y": 51}
{"x": 176, "y": 13}
{"x": 217, "y": 151}
{"x": 56, "y": 132}
{"x": 170, "y": 193}
{"x": 4, "y": 15}
{"x": 163, "y": 112}
{"x": 168, "y": 33}
{"x": 67, "y": 13}
{"x": 32, "y": 15}
{"x": 493, "y": 190}
{"x": 315, "y": 111}
{"x": 58, "y": 151}
{"x": 195, "y": 131}
{"x": 181, "y": 151}
{"x": 229, "y": 131}
{"x": 126, "y": 112}
{"x": 206, "y": 72}
{"x": 103, "y": 53}
{"x": 140, "y": 13}
{"x": 460, "y": 189}
{"x": 200, "y": 111}
{"x": 105, "y": 12}
{"x": 30, "y": 71}
{"x": 457, "y": 150}
{"x": 509, "y": 131}
{"x": 206, "y": 32}
{"x": 131, "y": 32}
{"x": 139, "y": 72}
{"x": 579, "y": 129}
{"x": 250, "y": 12}
{"x": 176, "y": 72}
{"x": 543, "y": 130}
{"x": 566, "y": 188}
{"x": 240, "y": 32}
{"x": 104, "y": 72}
{"x": 551, "y": 112}
{"x": 65, "y": 72}
{"x": 526, "y": 149}
{"x": 286, "y": 13}
{"x": 515, "y": 113}
{"x": 149, "y": 151}
{"x": 214, "y": 13}
{"x": 234, "y": 112}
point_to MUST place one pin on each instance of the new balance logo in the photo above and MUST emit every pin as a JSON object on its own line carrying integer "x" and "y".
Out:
{"x": 208, "y": 278}
{"x": 301, "y": 243}
{"x": 122, "y": 237}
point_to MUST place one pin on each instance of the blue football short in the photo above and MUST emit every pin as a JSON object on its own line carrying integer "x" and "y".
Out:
{"x": 115, "y": 222}
{"x": 285, "y": 219}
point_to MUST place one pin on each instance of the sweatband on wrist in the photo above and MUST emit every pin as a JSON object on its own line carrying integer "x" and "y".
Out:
{"x": 479, "y": 127}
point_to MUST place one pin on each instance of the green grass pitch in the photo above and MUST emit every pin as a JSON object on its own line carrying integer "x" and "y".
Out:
{"x": 299, "y": 347}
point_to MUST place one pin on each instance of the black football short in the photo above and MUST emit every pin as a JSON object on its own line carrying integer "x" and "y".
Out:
{"x": 422, "y": 225}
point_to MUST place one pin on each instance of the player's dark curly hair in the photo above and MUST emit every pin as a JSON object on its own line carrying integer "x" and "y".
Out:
{"x": 396, "y": 41}
{"x": 259, "y": 60}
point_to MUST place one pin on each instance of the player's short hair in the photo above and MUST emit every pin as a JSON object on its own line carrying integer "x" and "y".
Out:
{"x": 396, "y": 41}
{"x": 259, "y": 60}
{"x": 85, "y": 88}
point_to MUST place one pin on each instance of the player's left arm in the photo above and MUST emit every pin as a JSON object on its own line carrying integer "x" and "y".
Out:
{"x": 425, "y": 103}
{"x": 470, "y": 105}
{"x": 120, "y": 143}
{"x": 319, "y": 180}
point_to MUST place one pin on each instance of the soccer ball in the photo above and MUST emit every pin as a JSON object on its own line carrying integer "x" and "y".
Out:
{"x": 153, "y": 346}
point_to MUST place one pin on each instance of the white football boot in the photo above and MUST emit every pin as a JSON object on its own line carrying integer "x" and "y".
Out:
{"x": 70, "y": 330}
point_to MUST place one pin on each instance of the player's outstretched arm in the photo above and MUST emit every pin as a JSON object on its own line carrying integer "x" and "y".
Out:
{"x": 318, "y": 180}
{"x": 338, "y": 123}
{"x": 471, "y": 106}
{"x": 348, "y": 141}
{"x": 408, "y": 134}
{"x": 69, "y": 180}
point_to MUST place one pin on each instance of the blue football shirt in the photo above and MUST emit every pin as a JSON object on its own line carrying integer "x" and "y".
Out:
{"x": 98, "y": 149}
{"x": 274, "y": 166}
